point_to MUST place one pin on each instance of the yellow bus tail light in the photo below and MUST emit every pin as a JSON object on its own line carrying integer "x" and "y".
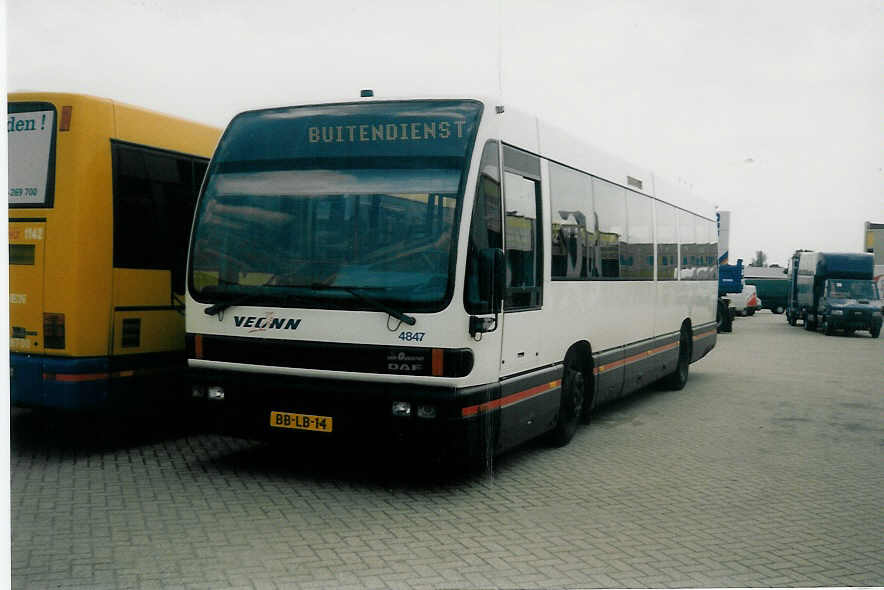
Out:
{"x": 53, "y": 330}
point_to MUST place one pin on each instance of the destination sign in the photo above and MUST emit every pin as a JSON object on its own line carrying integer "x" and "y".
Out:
{"x": 414, "y": 131}
{"x": 443, "y": 128}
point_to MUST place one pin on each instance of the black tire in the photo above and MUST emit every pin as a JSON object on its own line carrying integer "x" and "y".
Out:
{"x": 570, "y": 406}
{"x": 728, "y": 323}
{"x": 678, "y": 378}
{"x": 778, "y": 309}
{"x": 723, "y": 319}
{"x": 828, "y": 330}
{"x": 875, "y": 332}
{"x": 750, "y": 312}
{"x": 809, "y": 324}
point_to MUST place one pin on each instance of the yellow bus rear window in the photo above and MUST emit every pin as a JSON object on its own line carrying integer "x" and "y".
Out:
{"x": 22, "y": 254}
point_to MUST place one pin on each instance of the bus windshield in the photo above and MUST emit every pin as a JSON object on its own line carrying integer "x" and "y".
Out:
{"x": 315, "y": 206}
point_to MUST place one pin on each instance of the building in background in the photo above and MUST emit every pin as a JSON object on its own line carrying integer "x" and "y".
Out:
{"x": 874, "y": 241}
{"x": 724, "y": 234}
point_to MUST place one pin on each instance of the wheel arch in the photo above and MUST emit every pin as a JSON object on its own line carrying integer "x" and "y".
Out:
{"x": 687, "y": 328}
{"x": 581, "y": 354}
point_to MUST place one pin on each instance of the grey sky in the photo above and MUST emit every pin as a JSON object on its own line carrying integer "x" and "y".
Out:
{"x": 769, "y": 109}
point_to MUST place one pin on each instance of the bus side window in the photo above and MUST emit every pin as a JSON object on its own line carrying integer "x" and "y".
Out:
{"x": 572, "y": 224}
{"x": 154, "y": 196}
{"x": 610, "y": 236}
{"x": 667, "y": 242}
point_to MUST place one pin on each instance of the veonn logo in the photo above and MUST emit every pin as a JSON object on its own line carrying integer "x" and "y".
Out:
{"x": 265, "y": 322}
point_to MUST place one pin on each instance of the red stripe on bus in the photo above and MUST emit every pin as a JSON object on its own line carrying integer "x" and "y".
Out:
{"x": 82, "y": 377}
{"x": 634, "y": 358}
{"x": 75, "y": 377}
{"x": 510, "y": 399}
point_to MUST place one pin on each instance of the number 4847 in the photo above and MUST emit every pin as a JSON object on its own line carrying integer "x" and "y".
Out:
{"x": 412, "y": 336}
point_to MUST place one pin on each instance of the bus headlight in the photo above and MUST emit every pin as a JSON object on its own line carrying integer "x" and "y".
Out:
{"x": 215, "y": 392}
{"x": 428, "y": 412}
{"x": 402, "y": 409}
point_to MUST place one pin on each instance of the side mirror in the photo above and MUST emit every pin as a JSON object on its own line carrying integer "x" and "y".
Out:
{"x": 492, "y": 281}
{"x": 492, "y": 277}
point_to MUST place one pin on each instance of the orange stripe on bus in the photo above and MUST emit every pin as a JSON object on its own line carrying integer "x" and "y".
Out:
{"x": 634, "y": 358}
{"x": 510, "y": 399}
{"x": 704, "y": 335}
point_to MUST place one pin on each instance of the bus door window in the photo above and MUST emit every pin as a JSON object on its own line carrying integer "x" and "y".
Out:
{"x": 522, "y": 224}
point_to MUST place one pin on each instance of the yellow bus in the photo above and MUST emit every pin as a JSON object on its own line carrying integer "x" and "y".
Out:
{"x": 101, "y": 198}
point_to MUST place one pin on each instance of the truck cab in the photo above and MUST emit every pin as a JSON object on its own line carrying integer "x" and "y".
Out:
{"x": 850, "y": 304}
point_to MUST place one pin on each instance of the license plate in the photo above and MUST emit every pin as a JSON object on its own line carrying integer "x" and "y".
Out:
{"x": 300, "y": 421}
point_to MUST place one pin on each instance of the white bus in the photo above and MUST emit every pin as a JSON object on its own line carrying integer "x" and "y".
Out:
{"x": 451, "y": 272}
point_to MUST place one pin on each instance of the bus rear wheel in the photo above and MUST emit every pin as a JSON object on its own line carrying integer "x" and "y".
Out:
{"x": 679, "y": 377}
{"x": 570, "y": 406}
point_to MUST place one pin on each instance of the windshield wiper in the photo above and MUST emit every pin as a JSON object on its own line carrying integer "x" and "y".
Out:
{"x": 222, "y": 305}
{"x": 365, "y": 299}
{"x": 246, "y": 297}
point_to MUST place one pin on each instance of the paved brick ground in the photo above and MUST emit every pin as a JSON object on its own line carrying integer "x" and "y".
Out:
{"x": 766, "y": 470}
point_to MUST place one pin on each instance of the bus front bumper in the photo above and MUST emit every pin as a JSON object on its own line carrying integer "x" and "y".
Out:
{"x": 289, "y": 409}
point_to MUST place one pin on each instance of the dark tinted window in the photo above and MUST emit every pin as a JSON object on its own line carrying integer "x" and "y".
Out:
{"x": 637, "y": 261}
{"x": 484, "y": 226}
{"x": 572, "y": 223}
{"x": 708, "y": 247}
{"x": 524, "y": 276}
{"x": 667, "y": 243}
{"x": 154, "y": 197}
{"x": 610, "y": 214}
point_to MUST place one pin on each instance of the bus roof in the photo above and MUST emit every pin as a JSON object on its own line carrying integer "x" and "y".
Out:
{"x": 138, "y": 124}
{"x": 533, "y": 134}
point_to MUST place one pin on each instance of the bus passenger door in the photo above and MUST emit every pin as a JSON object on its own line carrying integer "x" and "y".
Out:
{"x": 523, "y": 415}
{"x": 523, "y": 330}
